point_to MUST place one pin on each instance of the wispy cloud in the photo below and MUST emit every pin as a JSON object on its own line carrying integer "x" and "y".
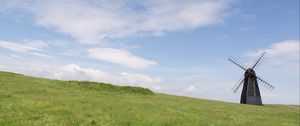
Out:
{"x": 21, "y": 46}
{"x": 121, "y": 57}
{"x": 96, "y": 21}
{"x": 29, "y": 47}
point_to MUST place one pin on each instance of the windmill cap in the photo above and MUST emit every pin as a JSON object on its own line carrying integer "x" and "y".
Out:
{"x": 249, "y": 72}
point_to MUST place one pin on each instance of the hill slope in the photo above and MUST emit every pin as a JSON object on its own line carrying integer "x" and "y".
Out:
{"x": 34, "y": 101}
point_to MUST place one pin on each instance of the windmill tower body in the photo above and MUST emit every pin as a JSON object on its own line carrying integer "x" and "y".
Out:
{"x": 250, "y": 92}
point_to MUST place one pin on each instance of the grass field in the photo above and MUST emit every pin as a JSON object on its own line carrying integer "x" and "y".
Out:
{"x": 35, "y": 101}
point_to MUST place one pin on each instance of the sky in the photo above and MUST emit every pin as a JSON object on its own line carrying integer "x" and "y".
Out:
{"x": 169, "y": 46}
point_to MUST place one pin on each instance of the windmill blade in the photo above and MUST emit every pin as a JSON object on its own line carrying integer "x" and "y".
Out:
{"x": 238, "y": 64}
{"x": 237, "y": 86}
{"x": 259, "y": 64}
{"x": 259, "y": 61}
{"x": 265, "y": 83}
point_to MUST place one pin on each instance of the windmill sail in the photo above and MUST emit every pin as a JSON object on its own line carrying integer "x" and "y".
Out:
{"x": 259, "y": 61}
{"x": 236, "y": 63}
{"x": 237, "y": 86}
{"x": 265, "y": 83}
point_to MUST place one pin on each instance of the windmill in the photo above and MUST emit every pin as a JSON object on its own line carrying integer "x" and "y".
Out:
{"x": 250, "y": 93}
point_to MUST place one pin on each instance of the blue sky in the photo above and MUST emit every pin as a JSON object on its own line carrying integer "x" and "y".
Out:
{"x": 169, "y": 46}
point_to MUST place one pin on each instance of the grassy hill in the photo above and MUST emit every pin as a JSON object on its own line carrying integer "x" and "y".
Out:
{"x": 35, "y": 101}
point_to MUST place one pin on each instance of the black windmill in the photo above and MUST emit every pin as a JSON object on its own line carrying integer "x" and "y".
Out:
{"x": 250, "y": 92}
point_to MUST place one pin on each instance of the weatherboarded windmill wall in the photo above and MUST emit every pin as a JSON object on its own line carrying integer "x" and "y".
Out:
{"x": 250, "y": 93}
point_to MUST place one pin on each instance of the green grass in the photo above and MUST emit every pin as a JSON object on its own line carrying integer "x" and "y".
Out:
{"x": 35, "y": 101}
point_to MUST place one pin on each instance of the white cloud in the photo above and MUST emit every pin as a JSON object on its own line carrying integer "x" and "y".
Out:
{"x": 282, "y": 56}
{"x": 190, "y": 88}
{"x": 121, "y": 57}
{"x": 96, "y": 21}
{"x": 288, "y": 48}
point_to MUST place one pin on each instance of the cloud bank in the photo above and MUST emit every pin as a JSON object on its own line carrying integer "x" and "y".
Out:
{"x": 75, "y": 72}
{"x": 35, "y": 66}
